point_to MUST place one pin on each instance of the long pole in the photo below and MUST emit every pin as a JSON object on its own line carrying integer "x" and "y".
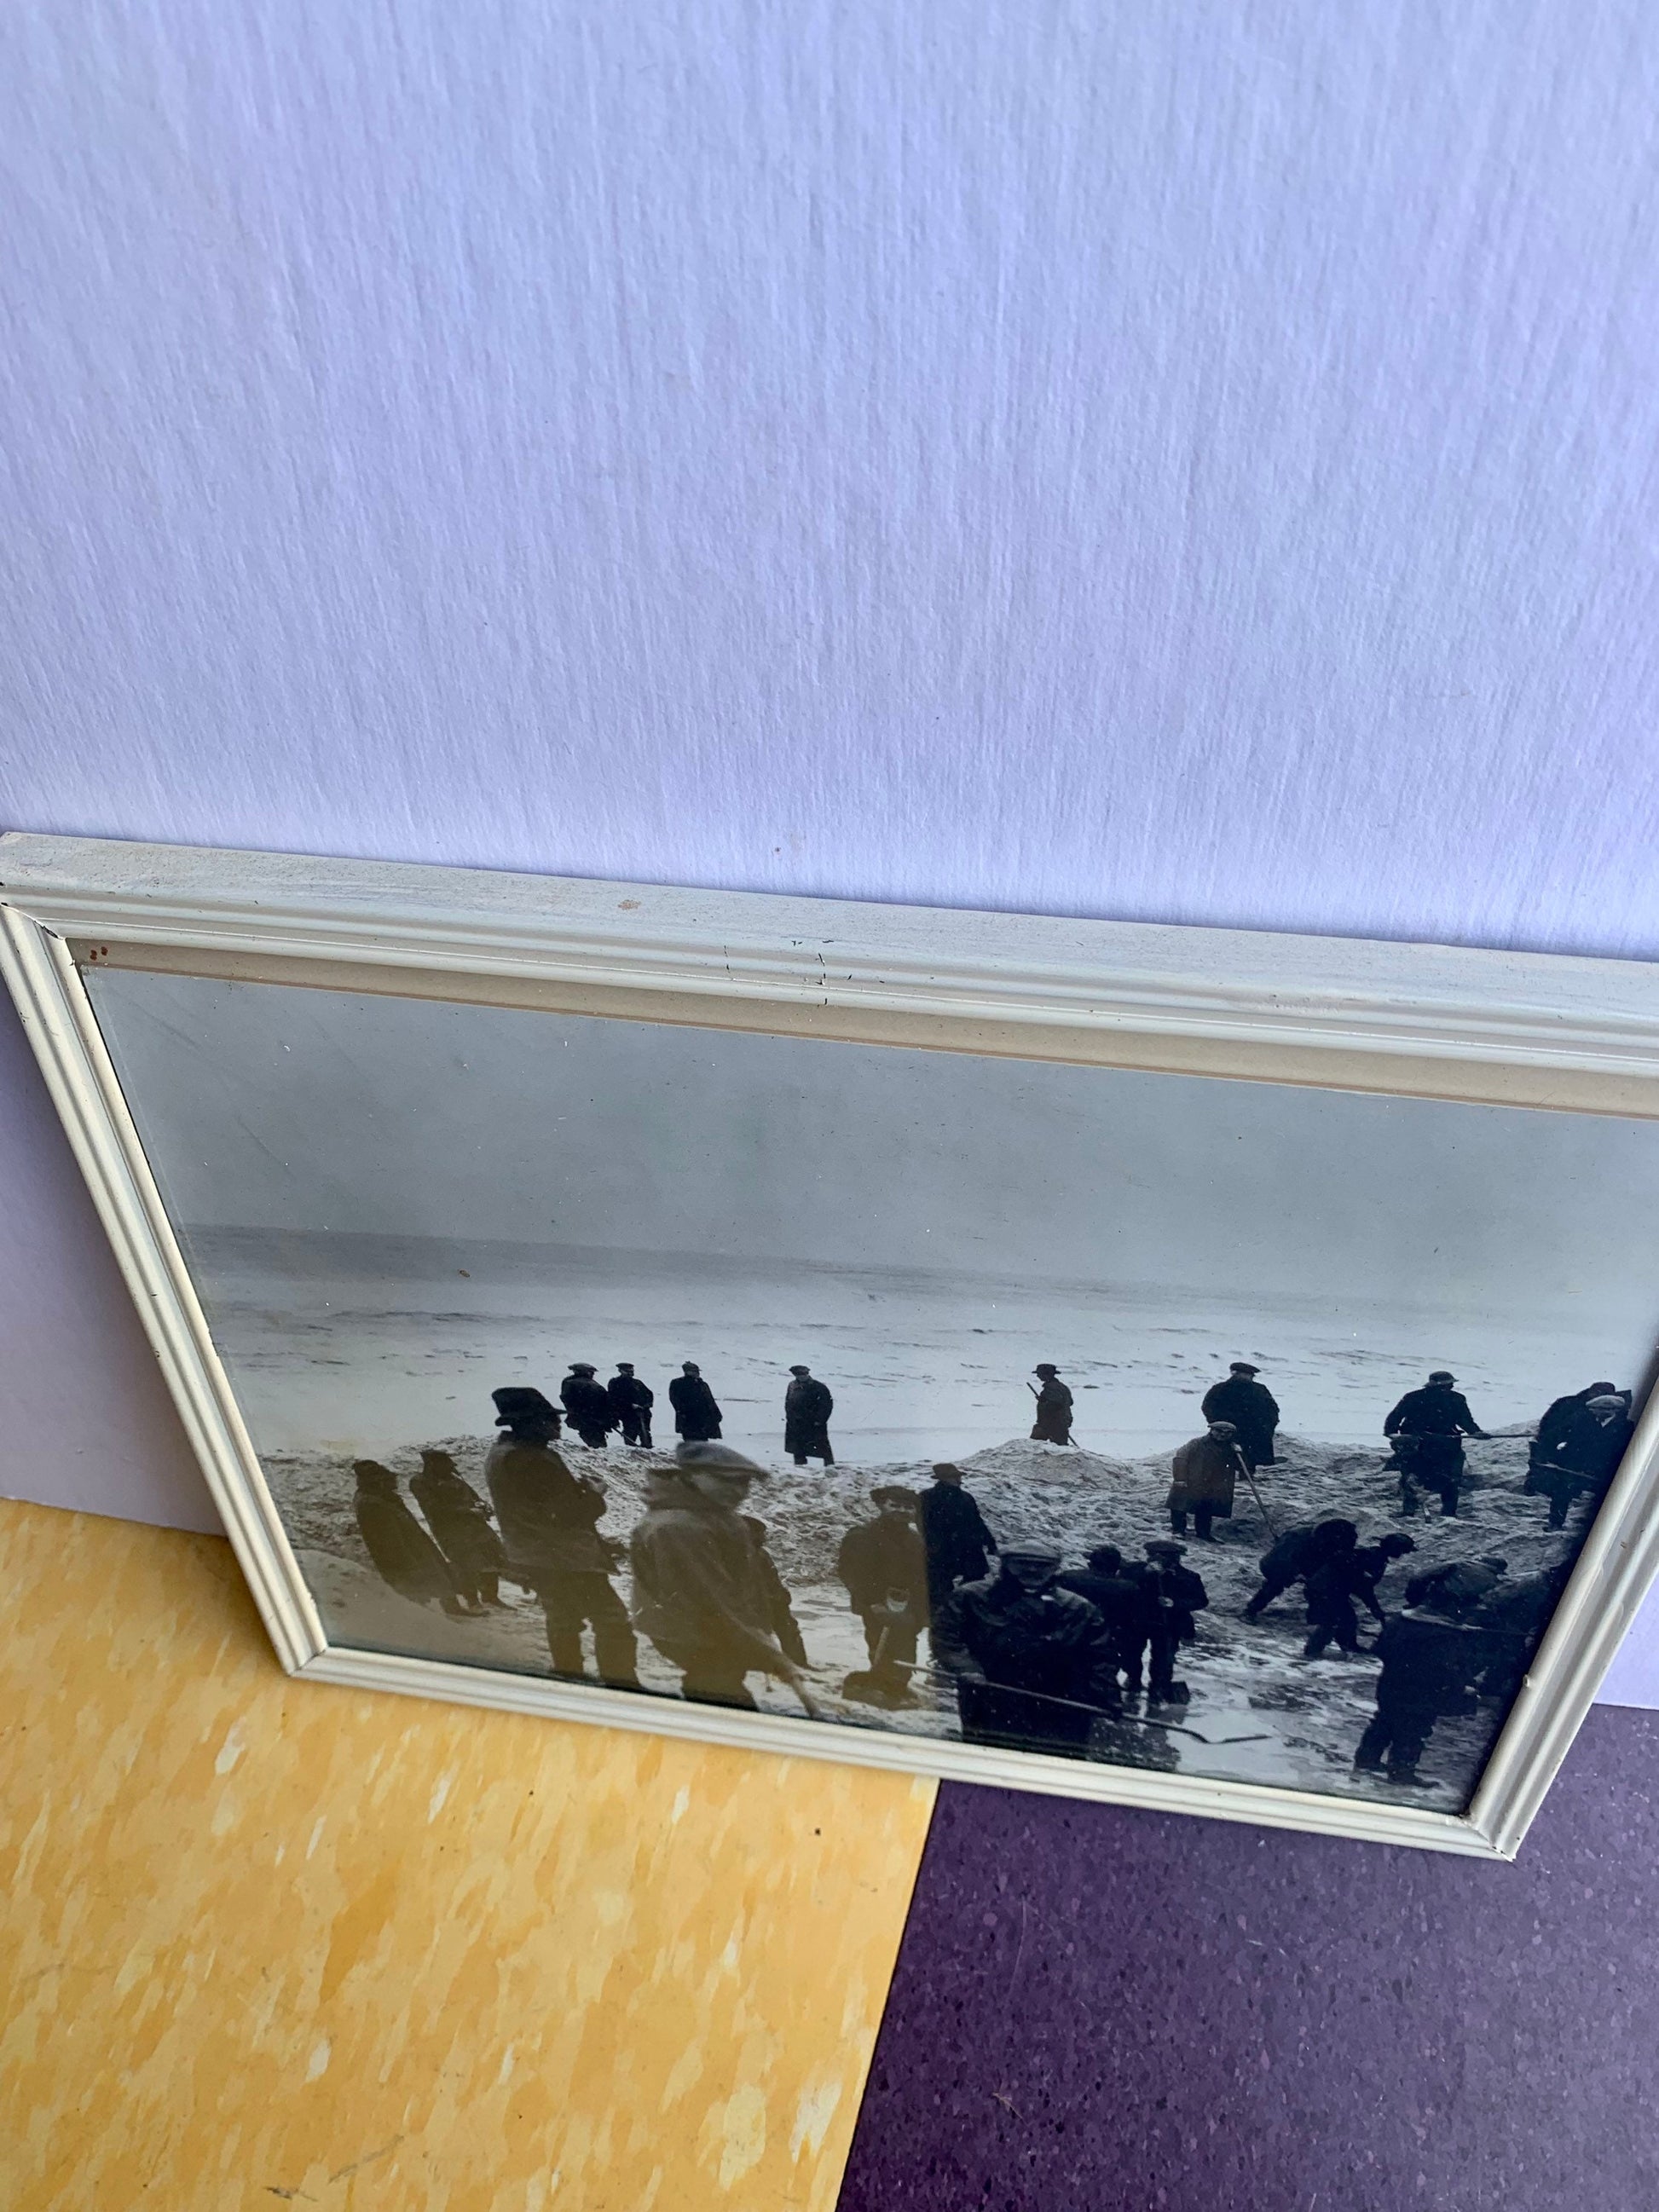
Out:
{"x": 1249, "y": 1477}
{"x": 1101, "y": 1712}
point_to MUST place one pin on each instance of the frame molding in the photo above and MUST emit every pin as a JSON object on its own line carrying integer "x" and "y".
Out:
{"x": 1520, "y": 1029}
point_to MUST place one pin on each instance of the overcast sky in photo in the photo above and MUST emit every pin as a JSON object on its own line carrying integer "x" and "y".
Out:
{"x": 269, "y": 1106}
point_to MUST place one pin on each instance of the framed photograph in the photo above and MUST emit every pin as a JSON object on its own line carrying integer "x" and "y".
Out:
{"x": 1199, "y": 1370}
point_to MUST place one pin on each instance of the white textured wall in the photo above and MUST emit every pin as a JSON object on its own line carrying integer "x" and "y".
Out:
{"x": 1187, "y": 462}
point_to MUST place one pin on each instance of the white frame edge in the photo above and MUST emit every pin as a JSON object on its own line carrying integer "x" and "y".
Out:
{"x": 1536, "y": 1030}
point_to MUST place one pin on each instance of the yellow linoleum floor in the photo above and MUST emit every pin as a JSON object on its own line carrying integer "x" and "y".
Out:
{"x": 269, "y": 1943}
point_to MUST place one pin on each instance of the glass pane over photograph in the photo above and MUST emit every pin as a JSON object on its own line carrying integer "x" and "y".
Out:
{"x": 1230, "y": 1429}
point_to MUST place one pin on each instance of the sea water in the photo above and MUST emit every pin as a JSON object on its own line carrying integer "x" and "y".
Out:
{"x": 362, "y": 1345}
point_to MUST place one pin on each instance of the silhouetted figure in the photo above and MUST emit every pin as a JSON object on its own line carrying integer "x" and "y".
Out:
{"x": 696, "y": 1417}
{"x": 460, "y": 1521}
{"x": 1172, "y": 1594}
{"x": 549, "y": 1520}
{"x": 1294, "y": 1555}
{"x": 1585, "y": 1456}
{"x": 586, "y": 1404}
{"x": 1250, "y": 1406}
{"x": 1431, "y": 1656}
{"x": 954, "y": 1534}
{"x": 403, "y": 1555}
{"x": 1557, "y": 1420}
{"x": 1428, "y": 1427}
{"x": 705, "y": 1590}
{"x": 1335, "y": 1584}
{"x": 1204, "y": 1474}
{"x": 1122, "y": 1603}
{"x": 807, "y": 1405}
{"x": 1054, "y": 1407}
{"x": 883, "y": 1564}
{"x": 1032, "y": 1661}
{"x": 630, "y": 1403}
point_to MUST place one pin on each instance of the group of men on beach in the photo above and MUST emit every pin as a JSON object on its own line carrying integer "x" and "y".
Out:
{"x": 596, "y": 1411}
{"x": 1038, "y": 1654}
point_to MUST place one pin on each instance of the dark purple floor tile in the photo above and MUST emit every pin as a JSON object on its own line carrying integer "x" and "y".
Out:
{"x": 1096, "y": 2009}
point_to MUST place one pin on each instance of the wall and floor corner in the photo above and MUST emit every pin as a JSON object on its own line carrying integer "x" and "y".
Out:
{"x": 1097, "y": 464}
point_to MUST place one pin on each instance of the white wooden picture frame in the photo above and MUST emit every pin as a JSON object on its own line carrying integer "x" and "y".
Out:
{"x": 1570, "y": 1036}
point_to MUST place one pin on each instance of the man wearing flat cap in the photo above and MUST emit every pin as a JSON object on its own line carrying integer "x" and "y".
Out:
{"x": 883, "y": 1564}
{"x": 1585, "y": 1454}
{"x": 1250, "y": 1406}
{"x": 1033, "y": 1662}
{"x": 1428, "y": 1427}
{"x": 548, "y": 1519}
{"x": 1203, "y": 1479}
{"x": 704, "y": 1585}
{"x": 1172, "y": 1595}
{"x": 697, "y": 1416}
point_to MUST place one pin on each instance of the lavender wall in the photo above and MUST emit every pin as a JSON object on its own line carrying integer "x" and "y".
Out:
{"x": 1187, "y": 464}
{"x": 1104, "y": 2009}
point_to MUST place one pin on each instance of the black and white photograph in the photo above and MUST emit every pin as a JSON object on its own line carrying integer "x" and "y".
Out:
{"x": 1230, "y": 1429}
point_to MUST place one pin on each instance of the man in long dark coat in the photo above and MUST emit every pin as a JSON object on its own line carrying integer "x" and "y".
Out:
{"x": 883, "y": 1564}
{"x": 1431, "y": 1656}
{"x": 1032, "y": 1661}
{"x": 1557, "y": 1419}
{"x": 1173, "y": 1595}
{"x": 959, "y": 1543}
{"x": 1052, "y": 1424}
{"x": 1120, "y": 1600}
{"x": 1585, "y": 1455}
{"x": 1428, "y": 1427}
{"x": 701, "y": 1590}
{"x": 548, "y": 1521}
{"x": 696, "y": 1417}
{"x": 586, "y": 1404}
{"x": 1203, "y": 1479}
{"x": 1250, "y": 1406}
{"x": 403, "y": 1555}
{"x": 631, "y": 1402}
{"x": 460, "y": 1521}
{"x": 807, "y": 1405}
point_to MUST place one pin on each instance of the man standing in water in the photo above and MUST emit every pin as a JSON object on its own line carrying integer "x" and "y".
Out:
{"x": 548, "y": 1523}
